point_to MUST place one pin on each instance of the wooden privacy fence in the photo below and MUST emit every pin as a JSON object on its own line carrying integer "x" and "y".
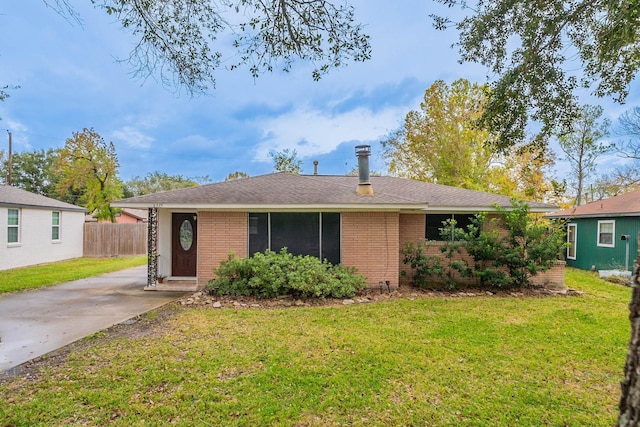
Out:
{"x": 106, "y": 239}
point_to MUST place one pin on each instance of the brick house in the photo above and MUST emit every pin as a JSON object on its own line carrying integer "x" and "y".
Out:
{"x": 359, "y": 221}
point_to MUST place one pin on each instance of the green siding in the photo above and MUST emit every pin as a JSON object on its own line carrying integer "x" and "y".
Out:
{"x": 589, "y": 254}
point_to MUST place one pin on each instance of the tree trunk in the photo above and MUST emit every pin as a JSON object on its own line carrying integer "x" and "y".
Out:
{"x": 630, "y": 399}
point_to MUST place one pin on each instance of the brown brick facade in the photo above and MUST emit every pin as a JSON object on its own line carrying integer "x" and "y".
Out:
{"x": 412, "y": 230}
{"x": 552, "y": 278}
{"x": 218, "y": 234}
{"x": 370, "y": 244}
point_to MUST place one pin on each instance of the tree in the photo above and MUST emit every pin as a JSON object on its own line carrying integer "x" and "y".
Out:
{"x": 155, "y": 182}
{"x": 286, "y": 161}
{"x": 33, "y": 171}
{"x": 89, "y": 165}
{"x": 180, "y": 39}
{"x": 629, "y": 125}
{"x": 581, "y": 145}
{"x": 627, "y": 178}
{"x": 530, "y": 46}
{"x": 524, "y": 174}
{"x": 356, "y": 171}
{"x": 620, "y": 180}
{"x": 440, "y": 143}
{"x": 236, "y": 175}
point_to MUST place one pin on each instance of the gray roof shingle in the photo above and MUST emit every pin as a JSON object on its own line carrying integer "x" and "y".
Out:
{"x": 330, "y": 191}
{"x": 17, "y": 197}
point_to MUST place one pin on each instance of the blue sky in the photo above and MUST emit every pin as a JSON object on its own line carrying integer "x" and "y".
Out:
{"x": 70, "y": 78}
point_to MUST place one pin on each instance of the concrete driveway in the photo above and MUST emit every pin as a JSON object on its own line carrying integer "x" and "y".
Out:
{"x": 36, "y": 322}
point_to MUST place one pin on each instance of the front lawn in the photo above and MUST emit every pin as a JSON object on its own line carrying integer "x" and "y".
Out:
{"x": 37, "y": 276}
{"x": 470, "y": 361}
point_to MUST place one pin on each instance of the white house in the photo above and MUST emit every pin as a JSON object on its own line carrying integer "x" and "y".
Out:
{"x": 35, "y": 229}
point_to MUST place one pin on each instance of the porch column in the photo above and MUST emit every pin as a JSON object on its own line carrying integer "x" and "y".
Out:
{"x": 152, "y": 248}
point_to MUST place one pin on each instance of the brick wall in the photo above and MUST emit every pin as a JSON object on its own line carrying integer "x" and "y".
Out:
{"x": 412, "y": 228}
{"x": 552, "y": 278}
{"x": 370, "y": 244}
{"x": 218, "y": 234}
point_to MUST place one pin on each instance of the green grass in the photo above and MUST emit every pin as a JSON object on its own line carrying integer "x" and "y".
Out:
{"x": 18, "y": 279}
{"x": 478, "y": 361}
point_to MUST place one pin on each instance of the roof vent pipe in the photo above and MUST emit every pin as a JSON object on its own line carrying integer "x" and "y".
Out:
{"x": 315, "y": 167}
{"x": 363, "y": 152}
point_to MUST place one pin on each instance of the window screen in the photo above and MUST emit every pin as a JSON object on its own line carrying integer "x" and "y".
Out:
{"x": 258, "y": 232}
{"x": 331, "y": 237}
{"x": 434, "y": 224}
{"x": 298, "y": 232}
{"x": 302, "y": 233}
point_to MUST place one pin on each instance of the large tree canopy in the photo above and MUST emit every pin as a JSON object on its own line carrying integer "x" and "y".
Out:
{"x": 88, "y": 165}
{"x": 155, "y": 182}
{"x": 440, "y": 143}
{"x": 184, "y": 40}
{"x": 542, "y": 53}
{"x": 32, "y": 171}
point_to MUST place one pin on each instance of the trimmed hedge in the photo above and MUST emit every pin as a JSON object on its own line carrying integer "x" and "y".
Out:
{"x": 271, "y": 274}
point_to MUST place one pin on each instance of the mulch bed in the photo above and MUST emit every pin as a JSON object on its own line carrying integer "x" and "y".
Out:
{"x": 204, "y": 299}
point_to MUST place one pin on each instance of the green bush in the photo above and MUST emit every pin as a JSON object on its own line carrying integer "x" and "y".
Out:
{"x": 270, "y": 274}
{"x": 527, "y": 246}
{"x": 425, "y": 267}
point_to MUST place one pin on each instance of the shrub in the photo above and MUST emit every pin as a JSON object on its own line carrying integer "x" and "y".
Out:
{"x": 270, "y": 274}
{"x": 532, "y": 244}
{"x": 527, "y": 246}
{"x": 425, "y": 267}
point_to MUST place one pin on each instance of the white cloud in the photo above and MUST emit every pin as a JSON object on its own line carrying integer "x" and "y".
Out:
{"x": 133, "y": 137}
{"x": 314, "y": 132}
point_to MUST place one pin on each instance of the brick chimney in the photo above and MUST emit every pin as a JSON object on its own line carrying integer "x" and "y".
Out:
{"x": 363, "y": 152}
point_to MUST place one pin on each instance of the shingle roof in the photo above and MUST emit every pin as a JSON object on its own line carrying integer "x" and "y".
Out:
{"x": 627, "y": 204}
{"x": 285, "y": 190}
{"x": 141, "y": 214}
{"x": 13, "y": 196}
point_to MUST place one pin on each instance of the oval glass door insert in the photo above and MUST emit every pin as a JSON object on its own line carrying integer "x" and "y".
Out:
{"x": 186, "y": 235}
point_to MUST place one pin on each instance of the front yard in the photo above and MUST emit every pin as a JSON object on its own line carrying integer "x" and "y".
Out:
{"x": 463, "y": 361}
{"x": 37, "y": 276}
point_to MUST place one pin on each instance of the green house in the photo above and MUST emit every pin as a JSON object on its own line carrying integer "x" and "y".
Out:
{"x": 603, "y": 235}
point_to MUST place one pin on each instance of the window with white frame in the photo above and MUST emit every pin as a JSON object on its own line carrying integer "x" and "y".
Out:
{"x": 572, "y": 239}
{"x": 606, "y": 232}
{"x": 55, "y": 225}
{"x": 13, "y": 226}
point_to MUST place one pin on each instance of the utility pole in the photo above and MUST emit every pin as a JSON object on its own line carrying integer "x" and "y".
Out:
{"x": 9, "y": 162}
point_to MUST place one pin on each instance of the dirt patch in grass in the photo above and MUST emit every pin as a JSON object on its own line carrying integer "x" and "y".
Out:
{"x": 152, "y": 323}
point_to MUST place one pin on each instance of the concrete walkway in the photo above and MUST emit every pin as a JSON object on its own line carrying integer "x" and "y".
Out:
{"x": 33, "y": 323}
